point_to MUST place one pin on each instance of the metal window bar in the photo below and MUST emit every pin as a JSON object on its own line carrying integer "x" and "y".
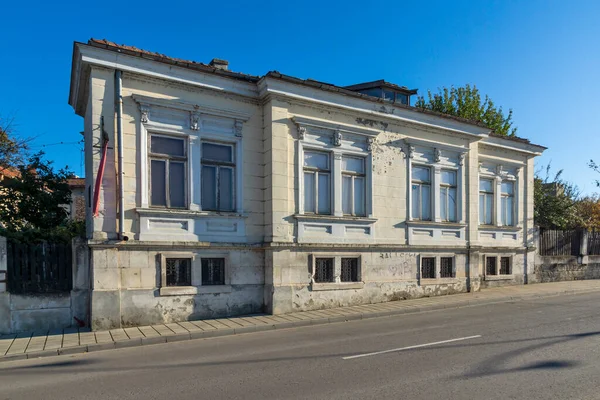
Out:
{"x": 447, "y": 267}
{"x": 349, "y": 271}
{"x": 505, "y": 266}
{"x": 213, "y": 271}
{"x": 179, "y": 272}
{"x": 490, "y": 266}
{"x": 428, "y": 268}
{"x": 324, "y": 270}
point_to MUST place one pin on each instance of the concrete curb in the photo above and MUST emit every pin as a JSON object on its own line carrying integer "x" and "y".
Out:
{"x": 284, "y": 325}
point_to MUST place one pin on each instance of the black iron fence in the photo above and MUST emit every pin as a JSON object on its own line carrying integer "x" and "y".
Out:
{"x": 39, "y": 267}
{"x": 577, "y": 242}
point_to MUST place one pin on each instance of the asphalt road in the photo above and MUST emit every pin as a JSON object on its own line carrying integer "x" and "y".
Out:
{"x": 542, "y": 349}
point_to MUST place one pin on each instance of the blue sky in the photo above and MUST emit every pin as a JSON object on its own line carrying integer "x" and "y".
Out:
{"x": 540, "y": 58}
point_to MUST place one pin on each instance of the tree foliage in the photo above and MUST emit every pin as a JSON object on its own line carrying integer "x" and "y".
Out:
{"x": 466, "y": 102}
{"x": 588, "y": 211}
{"x": 555, "y": 202}
{"x": 12, "y": 148}
{"x": 32, "y": 205}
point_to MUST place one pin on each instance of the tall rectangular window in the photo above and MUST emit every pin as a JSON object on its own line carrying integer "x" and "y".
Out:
{"x": 448, "y": 196}
{"x": 490, "y": 266}
{"x": 353, "y": 186}
{"x": 507, "y": 203}
{"x": 317, "y": 182}
{"x": 217, "y": 180}
{"x": 486, "y": 202}
{"x": 421, "y": 193}
{"x": 168, "y": 160}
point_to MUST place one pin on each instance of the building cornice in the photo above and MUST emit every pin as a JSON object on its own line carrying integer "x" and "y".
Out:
{"x": 85, "y": 56}
{"x": 269, "y": 87}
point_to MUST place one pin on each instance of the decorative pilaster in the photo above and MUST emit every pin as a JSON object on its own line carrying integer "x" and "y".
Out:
{"x": 337, "y": 185}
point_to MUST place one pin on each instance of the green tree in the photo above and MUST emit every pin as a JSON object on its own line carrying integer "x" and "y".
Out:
{"x": 466, "y": 102}
{"x": 32, "y": 205}
{"x": 555, "y": 202}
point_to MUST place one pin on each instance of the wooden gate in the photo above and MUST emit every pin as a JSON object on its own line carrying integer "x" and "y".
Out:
{"x": 39, "y": 267}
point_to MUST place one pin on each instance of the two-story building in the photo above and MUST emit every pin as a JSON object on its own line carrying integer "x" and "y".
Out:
{"x": 215, "y": 193}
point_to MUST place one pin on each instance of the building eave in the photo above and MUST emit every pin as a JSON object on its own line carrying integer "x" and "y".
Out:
{"x": 274, "y": 86}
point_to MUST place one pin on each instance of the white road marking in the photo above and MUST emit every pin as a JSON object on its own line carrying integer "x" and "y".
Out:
{"x": 411, "y": 347}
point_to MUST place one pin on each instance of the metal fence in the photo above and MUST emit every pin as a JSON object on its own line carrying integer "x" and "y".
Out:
{"x": 593, "y": 243}
{"x": 560, "y": 243}
{"x": 39, "y": 267}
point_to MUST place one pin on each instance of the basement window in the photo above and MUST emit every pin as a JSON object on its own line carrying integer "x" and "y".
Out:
{"x": 490, "y": 265}
{"x": 505, "y": 267}
{"x": 428, "y": 268}
{"x": 447, "y": 267}
{"x": 349, "y": 270}
{"x": 213, "y": 271}
{"x": 324, "y": 270}
{"x": 179, "y": 271}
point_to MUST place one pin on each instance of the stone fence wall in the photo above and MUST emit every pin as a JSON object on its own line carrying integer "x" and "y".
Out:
{"x": 47, "y": 311}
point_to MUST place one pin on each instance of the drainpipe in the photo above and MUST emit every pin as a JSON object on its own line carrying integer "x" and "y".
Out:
{"x": 119, "y": 106}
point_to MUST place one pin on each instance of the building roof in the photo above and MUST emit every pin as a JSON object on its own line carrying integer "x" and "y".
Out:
{"x": 76, "y": 182}
{"x": 345, "y": 90}
{"x": 382, "y": 83}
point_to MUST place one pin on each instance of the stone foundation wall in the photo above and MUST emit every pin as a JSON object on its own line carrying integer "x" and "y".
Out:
{"x": 128, "y": 288}
{"x": 566, "y": 268}
{"x": 384, "y": 276}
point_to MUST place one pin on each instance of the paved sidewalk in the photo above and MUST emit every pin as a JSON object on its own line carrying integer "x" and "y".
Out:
{"x": 73, "y": 340}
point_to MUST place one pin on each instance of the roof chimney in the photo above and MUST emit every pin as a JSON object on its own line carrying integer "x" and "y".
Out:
{"x": 219, "y": 64}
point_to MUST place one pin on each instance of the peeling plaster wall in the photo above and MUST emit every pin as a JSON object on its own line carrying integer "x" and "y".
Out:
{"x": 387, "y": 276}
{"x": 127, "y": 285}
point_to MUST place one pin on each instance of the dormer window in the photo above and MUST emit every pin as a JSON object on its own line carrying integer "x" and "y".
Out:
{"x": 384, "y": 90}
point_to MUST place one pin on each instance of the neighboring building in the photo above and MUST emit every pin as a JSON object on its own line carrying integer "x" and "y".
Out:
{"x": 244, "y": 194}
{"x": 76, "y": 208}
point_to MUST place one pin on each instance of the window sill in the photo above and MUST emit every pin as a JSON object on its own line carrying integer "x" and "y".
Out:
{"x": 337, "y": 286}
{"x": 346, "y": 218}
{"x": 436, "y": 224}
{"x": 500, "y": 228}
{"x": 438, "y": 281}
{"x": 499, "y": 277}
{"x": 194, "y": 290}
{"x": 178, "y": 291}
{"x": 188, "y": 213}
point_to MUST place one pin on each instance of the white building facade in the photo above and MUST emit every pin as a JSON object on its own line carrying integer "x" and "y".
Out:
{"x": 226, "y": 194}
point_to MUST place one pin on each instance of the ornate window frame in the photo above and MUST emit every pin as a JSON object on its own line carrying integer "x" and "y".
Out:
{"x": 337, "y": 140}
{"x": 196, "y": 124}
